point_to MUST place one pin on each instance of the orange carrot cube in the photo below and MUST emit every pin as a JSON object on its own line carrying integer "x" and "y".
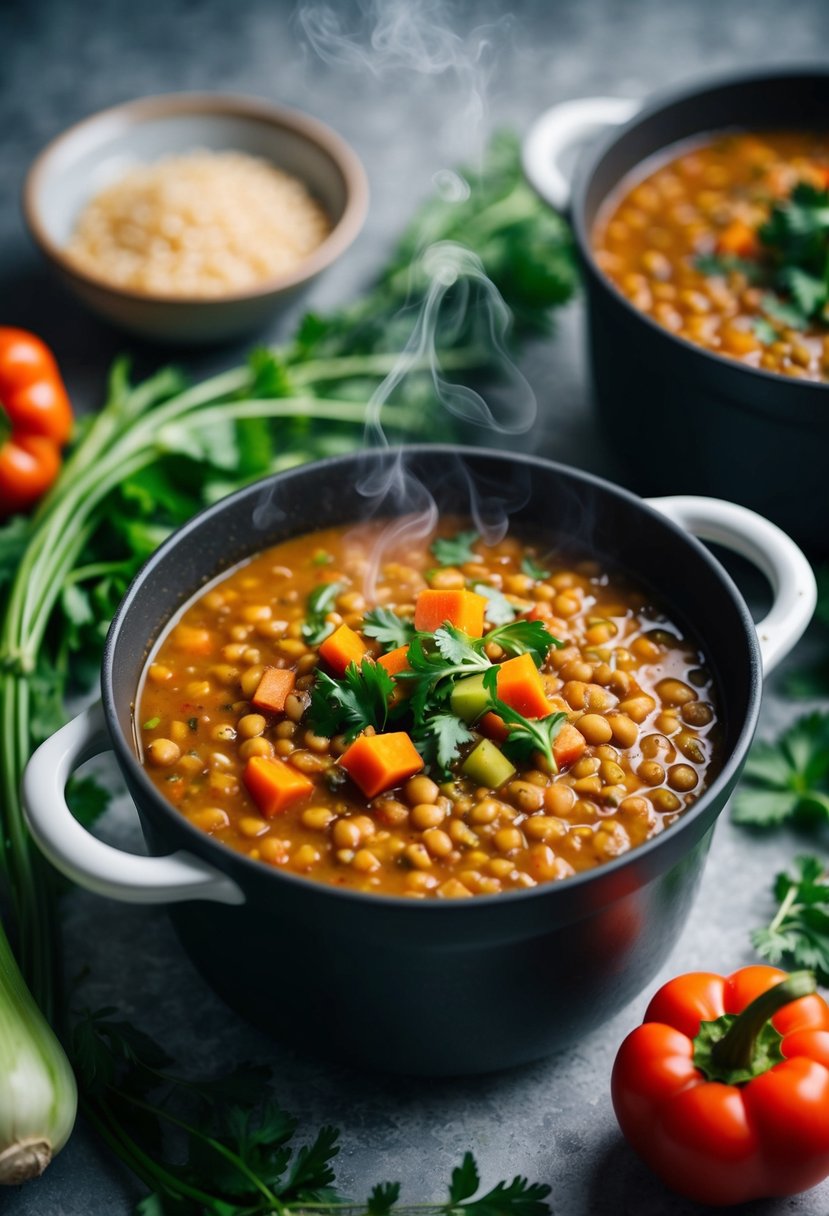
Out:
{"x": 738, "y": 240}
{"x": 379, "y": 762}
{"x": 395, "y": 661}
{"x": 273, "y": 689}
{"x": 568, "y": 745}
{"x": 493, "y": 726}
{"x": 274, "y": 785}
{"x": 463, "y": 609}
{"x": 341, "y": 648}
{"x": 520, "y": 686}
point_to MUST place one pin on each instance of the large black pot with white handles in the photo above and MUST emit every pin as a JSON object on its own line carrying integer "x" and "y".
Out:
{"x": 428, "y": 986}
{"x": 684, "y": 419}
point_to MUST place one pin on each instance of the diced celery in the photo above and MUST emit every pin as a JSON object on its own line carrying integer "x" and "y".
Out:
{"x": 469, "y": 698}
{"x": 487, "y": 765}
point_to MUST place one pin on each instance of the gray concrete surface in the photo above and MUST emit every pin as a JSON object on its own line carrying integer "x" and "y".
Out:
{"x": 60, "y": 61}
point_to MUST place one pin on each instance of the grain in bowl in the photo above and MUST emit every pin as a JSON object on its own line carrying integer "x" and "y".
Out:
{"x": 199, "y": 225}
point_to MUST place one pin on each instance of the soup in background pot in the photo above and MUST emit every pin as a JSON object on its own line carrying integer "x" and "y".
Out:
{"x": 437, "y": 718}
{"x": 704, "y": 239}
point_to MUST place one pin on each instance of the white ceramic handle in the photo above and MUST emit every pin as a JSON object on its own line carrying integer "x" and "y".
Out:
{"x": 90, "y": 862}
{"x": 767, "y": 547}
{"x": 557, "y": 130}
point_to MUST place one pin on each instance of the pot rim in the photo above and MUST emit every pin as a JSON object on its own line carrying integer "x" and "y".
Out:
{"x": 218, "y": 852}
{"x": 655, "y": 104}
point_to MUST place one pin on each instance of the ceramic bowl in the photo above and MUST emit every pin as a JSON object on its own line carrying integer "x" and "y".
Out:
{"x": 97, "y": 151}
{"x": 428, "y": 986}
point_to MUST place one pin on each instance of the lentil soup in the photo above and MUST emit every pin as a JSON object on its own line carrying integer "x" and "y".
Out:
{"x": 684, "y": 240}
{"x": 496, "y": 717}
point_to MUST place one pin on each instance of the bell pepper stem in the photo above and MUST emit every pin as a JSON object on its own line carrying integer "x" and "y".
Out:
{"x": 735, "y": 1050}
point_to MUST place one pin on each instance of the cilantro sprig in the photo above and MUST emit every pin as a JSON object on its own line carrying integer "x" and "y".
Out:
{"x": 455, "y": 550}
{"x": 316, "y": 628}
{"x": 387, "y": 628}
{"x": 798, "y": 935}
{"x": 787, "y": 779}
{"x": 224, "y": 1147}
{"x": 349, "y": 705}
{"x": 499, "y": 610}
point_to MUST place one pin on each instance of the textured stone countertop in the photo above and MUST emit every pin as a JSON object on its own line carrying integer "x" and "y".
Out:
{"x": 60, "y": 61}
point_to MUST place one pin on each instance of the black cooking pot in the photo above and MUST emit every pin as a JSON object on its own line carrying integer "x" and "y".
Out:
{"x": 681, "y": 418}
{"x": 433, "y": 987}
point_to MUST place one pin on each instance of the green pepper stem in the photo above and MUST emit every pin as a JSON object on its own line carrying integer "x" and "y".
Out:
{"x": 735, "y": 1050}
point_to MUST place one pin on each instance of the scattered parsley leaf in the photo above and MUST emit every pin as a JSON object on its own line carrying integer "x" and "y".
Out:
{"x": 457, "y": 647}
{"x": 465, "y": 1180}
{"x": 151, "y": 723}
{"x": 798, "y": 936}
{"x": 788, "y": 778}
{"x": 439, "y": 737}
{"x": 387, "y": 628}
{"x": 349, "y": 705}
{"x": 320, "y": 602}
{"x": 531, "y": 568}
{"x": 382, "y": 1199}
{"x": 516, "y": 1198}
{"x": 499, "y": 610}
{"x": 723, "y": 264}
{"x": 764, "y": 330}
{"x": 455, "y": 550}
{"x": 785, "y": 312}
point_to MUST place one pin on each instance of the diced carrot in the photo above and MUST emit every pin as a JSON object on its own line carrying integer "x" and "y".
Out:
{"x": 380, "y": 762}
{"x": 520, "y": 686}
{"x": 463, "y": 609}
{"x": 273, "y": 689}
{"x": 395, "y": 661}
{"x": 568, "y": 745}
{"x": 274, "y": 785}
{"x": 193, "y": 640}
{"x": 738, "y": 239}
{"x": 342, "y": 647}
{"x": 493, "y": 726}
{"x": 539, "y": 612}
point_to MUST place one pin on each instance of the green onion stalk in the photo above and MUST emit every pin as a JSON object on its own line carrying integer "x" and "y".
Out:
{"x": 135, "y": 428}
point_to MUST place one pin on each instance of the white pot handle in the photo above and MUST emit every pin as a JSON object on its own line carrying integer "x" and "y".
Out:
{"x": 767, "y": 547}
{"x": 557, "y": 130}
{"x": 90, "y": 862}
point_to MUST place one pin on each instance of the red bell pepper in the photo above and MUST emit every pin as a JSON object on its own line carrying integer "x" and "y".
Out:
{"x": 724, "y": 1089}
{"x": 35, "y": 419}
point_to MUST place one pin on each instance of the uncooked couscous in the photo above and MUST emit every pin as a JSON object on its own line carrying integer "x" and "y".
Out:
{"x": 203, "y": 224}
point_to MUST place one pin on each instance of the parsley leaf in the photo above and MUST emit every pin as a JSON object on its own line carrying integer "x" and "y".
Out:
{"x": 387, "y": 628}
{"x": 382, "y": 1199}
{"x": 764, "y": 330}
{"x": 499, "y": 610}
{"x": 524, "y": 637}
{"x": 349, "y": 705}
{"x": 465, "y": 1180}
{"x": 455, "y": 550}
{"x": 320, "y": 602}
{"x": 798, "y": 935}
{"x": 784, "y": 311}
{"x": 439, "y": 737}
{"x": 531, "y": 568}
{"x": 788, "y": 778}
{"x": 526, "y": 735}
{"x": 724, "y": 264}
